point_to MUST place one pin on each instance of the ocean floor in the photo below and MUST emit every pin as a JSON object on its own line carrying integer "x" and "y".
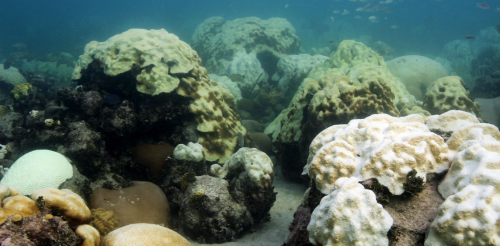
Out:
{"x": 274, "y": 232}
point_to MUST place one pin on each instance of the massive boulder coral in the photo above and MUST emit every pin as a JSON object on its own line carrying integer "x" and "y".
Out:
{"x": 354, "y": 83}
{"x": 292, "y": 69}
{"x": 449, "y": 93}
{"x": 162, "y": 68}
{"x": 349, "y": 215}
{"x": 380, "y": 146}
{"x": 416, "y": 72}
{"x": 216, "y": 38}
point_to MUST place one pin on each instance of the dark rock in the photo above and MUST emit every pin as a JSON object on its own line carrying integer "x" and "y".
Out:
{"x": 209, "y": 214}
{"x": 83, "y": 142}
{"x": 10, "y": 124}
{"x": 38, "y": 230}
{"x": 299, "y": 236}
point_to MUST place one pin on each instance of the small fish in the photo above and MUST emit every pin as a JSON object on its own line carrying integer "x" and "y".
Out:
{"x": 388, "y": 10}
{"x": 345, "y": 12}
{"x": 20, "y": 45}
{"x": 373, "y": 19}
{"x": 483, "y": 5}
{"x": 332, "y": 18}
{"x": 497, "y": 10}
{"x": 113, "y": 99}
{"x": 241, "y": 139}
{"x": 336, "y": 11}
{"x": 357, "y": 17}
{"x": 286, "y": 6}
{"x": 369, "y": 10}
{"x": 237, "y": 77}
{"x": 469, "y": 37}
{"x": 52, "y": 111}
{"x": 394, "y": 26}
{"x": 360, "y": 9}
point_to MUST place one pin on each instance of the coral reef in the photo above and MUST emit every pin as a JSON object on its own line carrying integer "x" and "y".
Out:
{"x": 354, "y": 83}
{"x": 217, "y": 39}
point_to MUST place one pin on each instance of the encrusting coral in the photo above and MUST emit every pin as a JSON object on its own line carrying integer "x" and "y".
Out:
{"x": 104, "y": 221}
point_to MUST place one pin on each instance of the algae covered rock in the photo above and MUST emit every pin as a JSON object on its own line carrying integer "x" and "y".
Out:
{"x": 210, "y": 214}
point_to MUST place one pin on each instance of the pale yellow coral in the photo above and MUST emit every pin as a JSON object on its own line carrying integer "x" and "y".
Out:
{"x": 19, "y": 205}
{"x": 354, "y": 83}
{"x": 21, "y": 90}
{"x": 449, "y": 93}
{"x": 143, "y": 234}
{"x": 71, "y": 205}
{"x": 161, "y": 56}
{"x": 91, "y": 235}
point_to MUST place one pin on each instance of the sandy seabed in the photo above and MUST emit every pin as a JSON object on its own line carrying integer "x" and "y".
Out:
{"x": 274, "y": 232}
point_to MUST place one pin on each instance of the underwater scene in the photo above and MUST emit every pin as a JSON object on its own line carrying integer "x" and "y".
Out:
{"x": 250, "y": 123}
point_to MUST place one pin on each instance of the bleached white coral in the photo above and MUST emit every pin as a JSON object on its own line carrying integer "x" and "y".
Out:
{"x": 476, "y": 163}
{"x": 470, "y": 217}
{"x": 350, "y": 215}
{"x": 451, "y": 120}
{"x": 191, "y": 152}
{"x": 380, "y": 146}
{"x": 255, "y": 162}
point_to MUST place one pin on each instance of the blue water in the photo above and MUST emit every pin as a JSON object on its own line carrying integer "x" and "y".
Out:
{"x": 67, "y": 25}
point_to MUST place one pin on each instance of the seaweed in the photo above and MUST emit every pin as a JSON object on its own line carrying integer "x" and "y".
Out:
{"x": 413, "y": 184}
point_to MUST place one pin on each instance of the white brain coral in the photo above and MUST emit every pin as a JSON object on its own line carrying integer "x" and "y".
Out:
{"x": 350, "y": 215}
{"x": 380, "y": 146}
{"x": 38, "y": 169}
{"x": 256, "y": 163}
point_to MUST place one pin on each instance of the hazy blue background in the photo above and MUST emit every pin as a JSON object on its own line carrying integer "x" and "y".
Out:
{"x": 67, "y": 25}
